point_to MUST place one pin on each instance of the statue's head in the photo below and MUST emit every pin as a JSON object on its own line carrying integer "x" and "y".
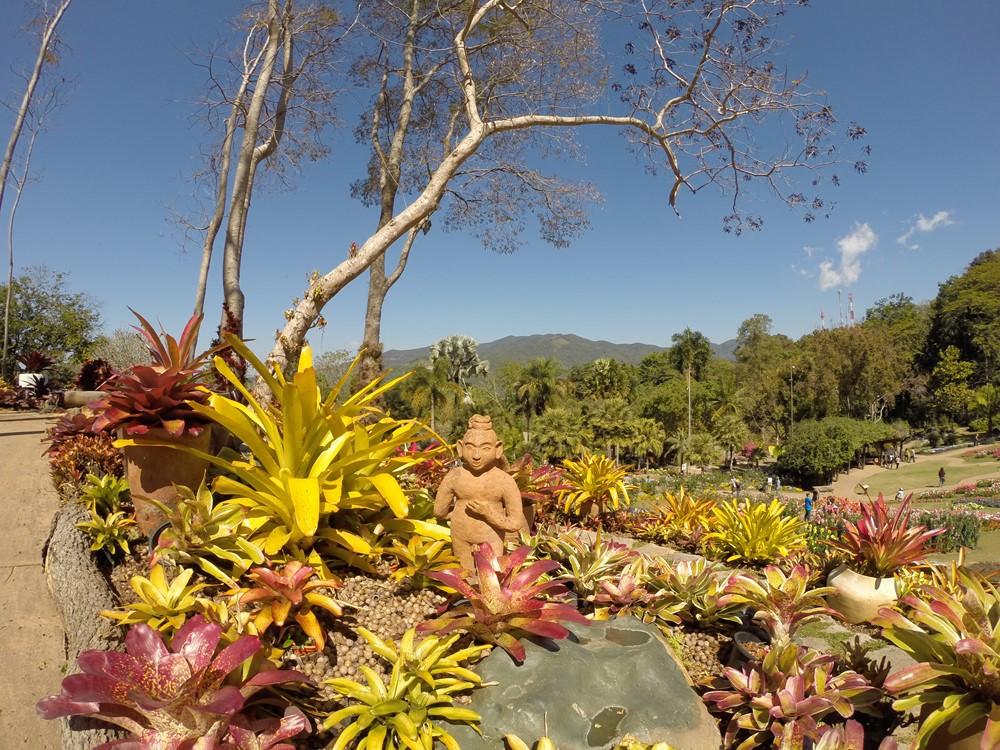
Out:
{"x": 480, "y": 449}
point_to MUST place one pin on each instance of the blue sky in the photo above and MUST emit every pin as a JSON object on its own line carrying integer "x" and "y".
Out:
{"x": 923, "y": 77}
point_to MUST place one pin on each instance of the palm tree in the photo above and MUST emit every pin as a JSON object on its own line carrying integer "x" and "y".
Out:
{"x": 731, "y": 432}
{"x": 648, "y": 437}
{"x": 678, "y": 444}
{"x": 690, "y": 353}
{"x": 611, "y": 421}
{"x": 702, "y": 449}
{"x": 560, "y": 433}
{"x": 432, "y": 386}
{"x": 534, "y": 385}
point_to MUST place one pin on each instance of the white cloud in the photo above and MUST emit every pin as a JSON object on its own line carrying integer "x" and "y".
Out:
{"x": 852, "y": 247}
{"x": 924, "y": 225}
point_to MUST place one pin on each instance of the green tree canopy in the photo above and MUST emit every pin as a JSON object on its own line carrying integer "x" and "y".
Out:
{"x": 966, "y": 314}
{"x": 46, "y": 316}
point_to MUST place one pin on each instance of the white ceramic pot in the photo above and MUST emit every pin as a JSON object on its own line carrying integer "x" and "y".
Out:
{"x": 859, "y": 597}
{"x": 31, "y": 379}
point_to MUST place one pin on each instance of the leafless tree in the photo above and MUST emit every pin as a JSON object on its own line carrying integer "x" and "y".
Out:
{"x": 270, "y": 102}
{"x": 412, "y": 119}
{"x": 30, "y": 115}
{"x": 698, "y": 91}
{"x": 42, "y": 106}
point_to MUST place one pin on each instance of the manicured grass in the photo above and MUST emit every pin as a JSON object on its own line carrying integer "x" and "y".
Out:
{"x": 922, "y": 474}
{"x": 988, "y": 550}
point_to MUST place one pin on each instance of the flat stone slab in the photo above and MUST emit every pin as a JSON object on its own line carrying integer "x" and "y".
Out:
{"x": 613, "y": 678}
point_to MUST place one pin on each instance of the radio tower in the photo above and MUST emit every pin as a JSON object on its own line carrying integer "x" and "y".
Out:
{"x": 840, "y": 304}
{"x": 850, "y": 306}
{"x": 822, "y": 320}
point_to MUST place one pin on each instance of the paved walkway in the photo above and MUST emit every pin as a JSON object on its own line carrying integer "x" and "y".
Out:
{"x": 31, "y": 636}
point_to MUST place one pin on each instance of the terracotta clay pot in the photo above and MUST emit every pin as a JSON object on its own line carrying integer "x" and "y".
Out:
{"x": 859, "y": 597}
{"x": 152, "y": 471}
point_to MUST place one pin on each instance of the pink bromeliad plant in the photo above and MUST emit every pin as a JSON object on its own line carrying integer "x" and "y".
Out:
{"x": 880, "y": 543}
{"x": 174, "y": 698}
{"x": 507, "y": 601}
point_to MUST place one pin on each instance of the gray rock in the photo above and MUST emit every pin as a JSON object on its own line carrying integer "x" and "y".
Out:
{"x": 613, "y": 678}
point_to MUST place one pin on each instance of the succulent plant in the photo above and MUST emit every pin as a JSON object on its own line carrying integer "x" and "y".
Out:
{"x": 507, "y": 601}
{"x": 108, "y": 533}
{"x": 783, "y": 604}
{"x": 697, "y": 587}
{"x": 785, "y": 697}
{"x": 170, "y": 698}
{"x": 292, "y": 590}
{"x": 163, "y": 606}
{"x": 539, "y": 485}
{"x": 627, "y": 596}
{"x": 588, "y": 561}
{"x": 686, "y": 518}
{"x": 169, "y": 353}
{"x": 419, "y": 556}
{"x": 36, "y": 361}
{"x": 145, "y": 397}
{"x": 317, "y": 466}
{"x": 595, "y": 479}
{"x": 955, "y": 638}
{"x": 68, "y": 426}
{"x": 757, "y": 534}
{"x": 407, "y": 711}
{"x": 880, "y": 543}
{"x": 103, "y": 494}
{"x": 93, "y": 373}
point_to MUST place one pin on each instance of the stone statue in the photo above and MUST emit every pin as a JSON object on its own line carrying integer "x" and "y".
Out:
{"x": 481, "y": 499}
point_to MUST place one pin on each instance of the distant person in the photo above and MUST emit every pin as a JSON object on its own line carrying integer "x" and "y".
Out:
{"x": 770, "y": 485}
{"x": 899, "y": 494}
{"x": 735, "y": 483}
{"x": 941, "y": 477}
{"x": 777, "y": 485}
{"x": 897, "y": 460}
{"x": 809, "y": 505}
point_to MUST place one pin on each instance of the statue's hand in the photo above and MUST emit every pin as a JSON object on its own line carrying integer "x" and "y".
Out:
{"x": 480, "y": 508}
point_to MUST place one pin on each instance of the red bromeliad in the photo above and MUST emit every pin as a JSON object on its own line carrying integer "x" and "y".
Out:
{"x": 881, "y": 544}
{"x": 508, "y": 600}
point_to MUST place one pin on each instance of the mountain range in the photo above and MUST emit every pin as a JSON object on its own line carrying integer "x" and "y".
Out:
{"x": 567, "y": 349}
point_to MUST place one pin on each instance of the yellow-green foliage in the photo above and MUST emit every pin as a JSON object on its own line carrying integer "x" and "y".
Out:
{"x": 103, "y": 494}
{"x": 207, "y": 534}
{"x": 163, "y": 606}
{"x": 594, "y": 479}
{"x": 695, "y": 589}
{"x": 757, "y": 534}
{"x": 686, "y": 517}
{"x": 108, "y": 533}
{"x": 318, "y": 470}
{"x": 408, "y": 712}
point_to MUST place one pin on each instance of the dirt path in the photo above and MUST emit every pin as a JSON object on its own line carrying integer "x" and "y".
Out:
{"x": 31, "y": 637}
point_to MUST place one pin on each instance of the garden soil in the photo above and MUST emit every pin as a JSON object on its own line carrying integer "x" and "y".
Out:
{"x": 31, "y": 636}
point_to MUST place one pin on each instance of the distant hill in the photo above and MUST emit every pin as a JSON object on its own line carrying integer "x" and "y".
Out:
{"x": 567, "y": 349}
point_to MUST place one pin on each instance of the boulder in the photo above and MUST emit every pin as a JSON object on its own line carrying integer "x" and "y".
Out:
{"x": 613, "y": 678}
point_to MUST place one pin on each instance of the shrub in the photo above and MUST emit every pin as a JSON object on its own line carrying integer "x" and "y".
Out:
{"x": 961, "y": 528}
{"x": 80, "y": 455}
{"x": 93, "y": 373}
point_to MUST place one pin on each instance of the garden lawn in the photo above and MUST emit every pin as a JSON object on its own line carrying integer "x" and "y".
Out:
{"x": 923, "y": 474}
